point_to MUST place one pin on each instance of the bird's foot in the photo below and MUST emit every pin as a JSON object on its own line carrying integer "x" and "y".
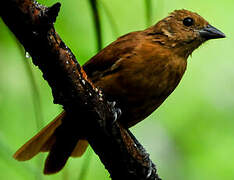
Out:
{"x": 115, "y": 110}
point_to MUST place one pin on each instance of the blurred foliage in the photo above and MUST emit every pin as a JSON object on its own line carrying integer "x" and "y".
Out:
{"x": 190, "y": 137}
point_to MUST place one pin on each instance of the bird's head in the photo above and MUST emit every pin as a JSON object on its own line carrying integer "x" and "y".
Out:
{"x": 184, "y": 31}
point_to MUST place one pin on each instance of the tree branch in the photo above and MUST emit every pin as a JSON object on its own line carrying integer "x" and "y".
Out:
{"x": 118, "y": 149}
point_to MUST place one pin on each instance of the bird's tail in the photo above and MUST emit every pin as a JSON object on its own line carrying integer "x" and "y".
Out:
{"x": 59, "y": 145}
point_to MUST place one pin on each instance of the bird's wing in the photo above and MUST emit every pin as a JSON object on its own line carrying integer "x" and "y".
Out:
{"x": 106, "y": 58}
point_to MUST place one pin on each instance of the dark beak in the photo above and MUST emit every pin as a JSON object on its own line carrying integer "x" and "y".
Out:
{"x": 210, "y": 32}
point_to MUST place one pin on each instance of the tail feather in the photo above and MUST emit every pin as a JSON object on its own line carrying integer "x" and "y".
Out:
{"x": 60, "y": 152}
{"x": 48, "y": 144}
{"x": 37, "y": 143}
{"x": 80, "y": 148}
{"x": 58, "y": 140}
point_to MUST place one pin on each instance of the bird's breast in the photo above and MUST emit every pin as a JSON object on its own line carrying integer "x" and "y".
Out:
{"x": 140, "y": 88}
{"x": 151, "y": 90}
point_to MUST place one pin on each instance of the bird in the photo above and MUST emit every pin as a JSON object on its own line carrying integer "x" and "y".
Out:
{"x": 138, "y": 71}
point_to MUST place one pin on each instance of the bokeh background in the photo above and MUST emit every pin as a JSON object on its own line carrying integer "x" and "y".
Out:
{"x": 190, "y": 137}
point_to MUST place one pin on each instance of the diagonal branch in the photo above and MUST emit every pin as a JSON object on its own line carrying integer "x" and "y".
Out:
{"x": 117, "y": 148}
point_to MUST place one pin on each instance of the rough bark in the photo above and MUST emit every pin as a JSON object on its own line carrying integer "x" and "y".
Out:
{"x": 118, "y": 149}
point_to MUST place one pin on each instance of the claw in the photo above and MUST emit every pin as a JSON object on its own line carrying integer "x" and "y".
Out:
{"x": 115, "y": 117}
{"x": 116, "y": 111}
{"x": 119, "y": 112}
{"x": 112, "y": 104}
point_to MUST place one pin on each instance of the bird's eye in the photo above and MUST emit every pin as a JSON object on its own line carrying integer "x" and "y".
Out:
{"x": 188, "y": 21}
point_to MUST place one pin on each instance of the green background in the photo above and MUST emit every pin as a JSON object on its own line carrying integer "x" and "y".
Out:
{"x": 190, "y": 137}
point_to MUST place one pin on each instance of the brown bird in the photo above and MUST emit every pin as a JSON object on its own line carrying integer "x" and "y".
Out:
{"x": 139, "y": 71}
